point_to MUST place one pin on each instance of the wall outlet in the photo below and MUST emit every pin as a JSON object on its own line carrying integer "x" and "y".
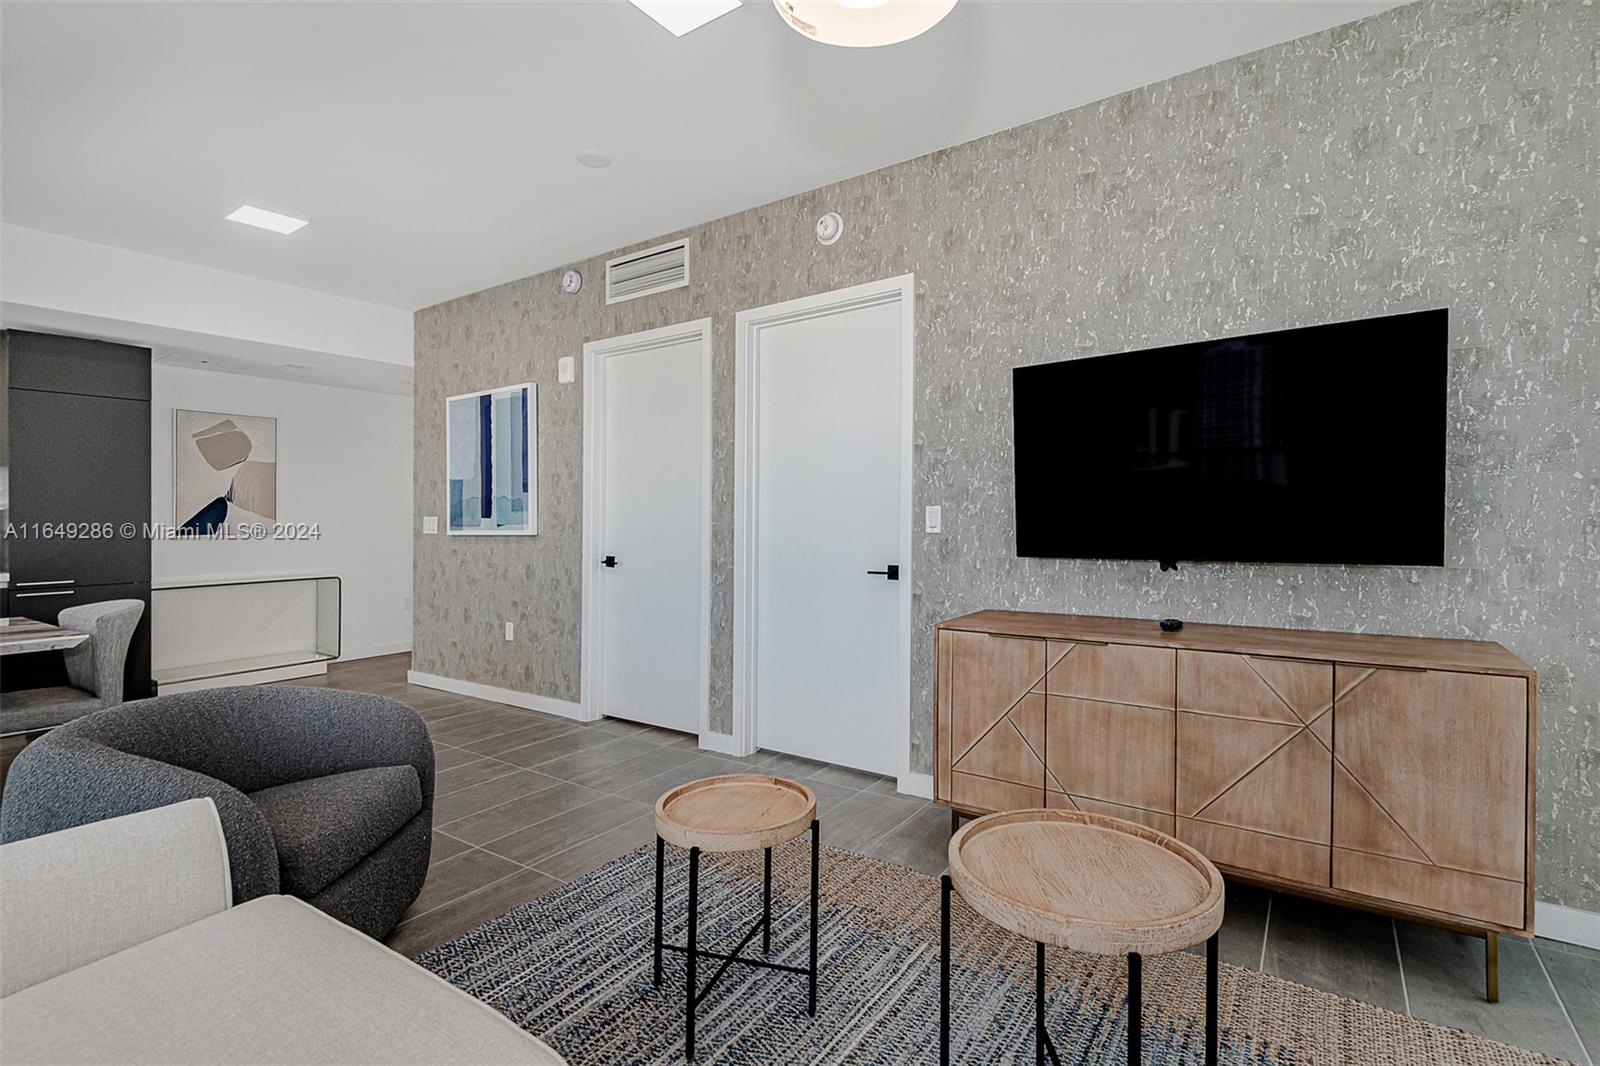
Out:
{"x": 406, "y": 606}
{"x": 933, "y": 519}
{"x": 566, "y": 370}
{"x": 511, "y": 630}
{"x": 430, "y": 523}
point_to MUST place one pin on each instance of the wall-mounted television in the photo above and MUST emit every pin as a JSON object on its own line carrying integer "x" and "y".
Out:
{"x": 1322, "y": 444}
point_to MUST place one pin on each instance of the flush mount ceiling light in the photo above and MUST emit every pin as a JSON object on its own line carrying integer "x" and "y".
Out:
{"x": 594, "y": 160}
{"x": 255, "y": 216}
{"x": 681, "y": 16}
{"x": 862, "y": 23}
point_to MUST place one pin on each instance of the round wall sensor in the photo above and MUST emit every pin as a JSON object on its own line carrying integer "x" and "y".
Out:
{"x": 829, "y": 227}
{"x": 571, "y": 282}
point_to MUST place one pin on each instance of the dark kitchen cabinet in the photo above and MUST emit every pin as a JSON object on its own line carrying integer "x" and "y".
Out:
{"x": 44, "y": 362}
{"x": 78, "y": 453}
{"x": 73, "y": 464}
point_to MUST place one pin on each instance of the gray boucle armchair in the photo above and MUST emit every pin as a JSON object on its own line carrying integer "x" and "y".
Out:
{"x": 323, "y": 794}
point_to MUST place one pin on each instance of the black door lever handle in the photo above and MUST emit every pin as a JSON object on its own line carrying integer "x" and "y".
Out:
{"x": 610, "y": 560}
{"x": 892, "y": 572}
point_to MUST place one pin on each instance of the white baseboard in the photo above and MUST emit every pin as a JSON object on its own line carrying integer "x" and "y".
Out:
{"x": 512, "y": 698}
{"x": 916, "y": 785}
{"x": 251, "y": 677}
{"x": 1566, "y": 924}
{"x": 373, "y": 651}
{"x": 721, "y": 743}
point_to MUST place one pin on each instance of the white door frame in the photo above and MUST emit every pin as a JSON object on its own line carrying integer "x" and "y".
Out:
{"x": 748, "y": 327}
{"x": 595, "y": 354}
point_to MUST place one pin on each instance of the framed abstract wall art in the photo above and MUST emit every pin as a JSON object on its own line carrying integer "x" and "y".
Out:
{"x": 491, "y": 471}
{"x": 224, "y": 471}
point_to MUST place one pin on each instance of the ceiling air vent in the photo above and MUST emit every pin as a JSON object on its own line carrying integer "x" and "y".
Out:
{"x": 652, "y": 270}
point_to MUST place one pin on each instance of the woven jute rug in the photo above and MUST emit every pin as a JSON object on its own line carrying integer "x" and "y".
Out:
{"x": 574, "y": 967}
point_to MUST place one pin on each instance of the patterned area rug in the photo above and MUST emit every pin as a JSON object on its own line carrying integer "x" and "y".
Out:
{"x": 574, "y": 967}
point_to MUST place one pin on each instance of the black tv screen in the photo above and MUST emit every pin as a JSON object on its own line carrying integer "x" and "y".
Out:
{"x": 1324, "y": 444}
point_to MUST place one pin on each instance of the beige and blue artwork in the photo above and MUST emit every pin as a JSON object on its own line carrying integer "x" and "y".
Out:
{"x": 491, "y": 461}
{"x": 225, "y": 472}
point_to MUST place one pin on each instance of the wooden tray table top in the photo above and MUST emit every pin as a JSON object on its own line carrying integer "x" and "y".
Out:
{"x": 735, "y": 812}
{"x": 1086, "y": 882}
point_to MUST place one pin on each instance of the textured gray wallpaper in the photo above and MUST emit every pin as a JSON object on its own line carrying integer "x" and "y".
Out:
{"x": 1442, "y": 154}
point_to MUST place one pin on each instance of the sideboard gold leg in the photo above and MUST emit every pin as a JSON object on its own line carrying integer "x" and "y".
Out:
{"x": 1491, "y": 960}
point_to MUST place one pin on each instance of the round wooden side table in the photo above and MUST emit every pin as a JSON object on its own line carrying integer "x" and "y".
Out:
{"x": 1089, "y": 883}
{"x": 734, "y": 812}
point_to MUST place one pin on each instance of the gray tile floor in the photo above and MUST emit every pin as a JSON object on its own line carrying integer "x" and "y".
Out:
{"x": 526, "y": 802}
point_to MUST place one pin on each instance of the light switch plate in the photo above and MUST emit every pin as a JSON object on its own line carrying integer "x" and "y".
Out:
{"x": 566, "y": 370}
{"x": 510, "y": 630}
{"x": 430, "y": 523}
{"x": 933, "y": 519}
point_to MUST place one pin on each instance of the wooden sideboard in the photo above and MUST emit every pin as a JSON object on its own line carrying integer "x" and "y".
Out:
{"x": 1394, "y": 774}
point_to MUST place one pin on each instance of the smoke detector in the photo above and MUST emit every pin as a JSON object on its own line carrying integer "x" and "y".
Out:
{"x": 571, "y": 282}
{"x": 829, "y": 228}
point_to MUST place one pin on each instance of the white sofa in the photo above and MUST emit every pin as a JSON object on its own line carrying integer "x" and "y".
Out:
{"x": 118, "y": 944}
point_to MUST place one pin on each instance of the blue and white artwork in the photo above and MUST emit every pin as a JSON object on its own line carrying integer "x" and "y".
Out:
{"x": 490, "y": 461}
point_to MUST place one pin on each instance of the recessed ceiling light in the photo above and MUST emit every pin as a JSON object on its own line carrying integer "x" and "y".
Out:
{"x": 255, "y": 216}
{"x": 593, "y": 159}
{"x": 296, "y": 366}
{"x": 862, "y": 23}
{"x": 681, "y": 16}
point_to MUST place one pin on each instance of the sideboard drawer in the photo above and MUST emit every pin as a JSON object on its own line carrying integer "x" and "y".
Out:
{"x": 1119, "y": 673}
{"x": 1449, "y": 892}
{"x": 972, "y": 793}
{"x": 1262, "y": 853}
{"x": 1059, "y": 801}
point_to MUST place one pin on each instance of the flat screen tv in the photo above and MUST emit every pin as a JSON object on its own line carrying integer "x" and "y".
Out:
{"x": 1323, "y": 444}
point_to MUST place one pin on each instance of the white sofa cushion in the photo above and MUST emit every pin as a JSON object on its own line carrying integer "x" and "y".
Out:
{"x": 271, "y": 981}
{"x": 70, "y": 898}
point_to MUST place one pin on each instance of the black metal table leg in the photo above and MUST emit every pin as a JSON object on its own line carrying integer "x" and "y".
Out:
{"x": 944, "y": 970}
{"x": 661, "y": 876}
{"x": 1038, "y": 1005}
{"x": 1211, "y": 999}
{"x": 693, "y": 953}
{"x": 1135, "y": 1008}
{"x": 766, "y": 906}
{"x": 816, "y": 857}
{"x": 694, "y": 921}
{"x": 1043, "y": 1048}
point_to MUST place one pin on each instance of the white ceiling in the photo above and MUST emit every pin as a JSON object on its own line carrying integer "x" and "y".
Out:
{"x": 432, "y": 144}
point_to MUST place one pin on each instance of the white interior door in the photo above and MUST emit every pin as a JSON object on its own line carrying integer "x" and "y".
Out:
{"x": 650, "y": 553}
{"x": 828, "y": 511}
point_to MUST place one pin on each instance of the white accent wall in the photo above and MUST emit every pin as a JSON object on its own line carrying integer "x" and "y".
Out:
{"x": 344, "y": 462}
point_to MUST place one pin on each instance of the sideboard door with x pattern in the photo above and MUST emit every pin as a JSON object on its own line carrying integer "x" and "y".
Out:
{"x": 1255, "y": 762}
{"x": 991, "y": 707}
{"x": 1419, "y": 818}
